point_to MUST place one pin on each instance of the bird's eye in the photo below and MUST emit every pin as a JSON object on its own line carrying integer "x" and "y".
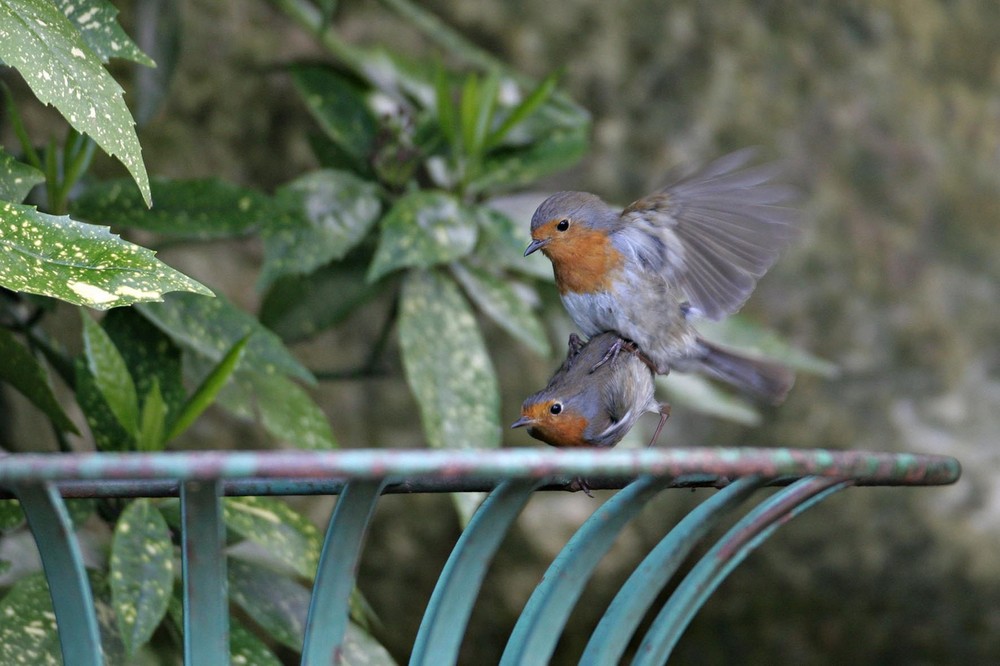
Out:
{"x": 563, "y": 225}
{"x": 555, "y": 408}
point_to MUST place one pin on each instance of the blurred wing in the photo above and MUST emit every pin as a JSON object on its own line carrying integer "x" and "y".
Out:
{"x": 713, "y": 233}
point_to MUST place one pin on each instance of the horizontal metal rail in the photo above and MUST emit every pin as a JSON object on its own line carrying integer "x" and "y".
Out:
{"x": 447, "y": 466}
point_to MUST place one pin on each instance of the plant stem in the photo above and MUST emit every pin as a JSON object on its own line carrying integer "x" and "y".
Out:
{"x": 447, "y": 38}
{"x": 22, "y": 135}
{"x": 309, "y": 17}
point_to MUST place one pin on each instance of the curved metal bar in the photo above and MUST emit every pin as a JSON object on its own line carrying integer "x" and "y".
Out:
{"x": 544, "y": 616}
{"x": 327, "y": 621}
{"x": 622, "y": 618}
{"x": 448, "y": 610}
{"x": 72, "y": 599}
{"x": 724, "y": 556}
{"x": 206, "y": 602}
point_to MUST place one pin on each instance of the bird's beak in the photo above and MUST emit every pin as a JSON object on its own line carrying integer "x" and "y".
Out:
{"x": 523, "y": 421}
{"x": 536, "y": 245}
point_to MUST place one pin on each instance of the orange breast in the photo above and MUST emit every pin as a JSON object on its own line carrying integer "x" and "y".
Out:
{"x": 584, "y": 261}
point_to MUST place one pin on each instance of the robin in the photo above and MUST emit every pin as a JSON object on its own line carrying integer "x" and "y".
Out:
{"x": 693, "y": 250}
{"x": 590, "y": 403}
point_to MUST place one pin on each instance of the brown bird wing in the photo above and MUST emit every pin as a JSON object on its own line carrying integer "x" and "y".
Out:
{"x": 713, "y": 233}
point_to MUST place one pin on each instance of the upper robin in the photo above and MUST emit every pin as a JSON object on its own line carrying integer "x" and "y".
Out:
{"x": 584, "y": 405}
{"x": 694, "y": 249}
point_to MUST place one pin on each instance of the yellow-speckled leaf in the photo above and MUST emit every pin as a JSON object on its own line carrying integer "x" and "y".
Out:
{"x": 50, "y": 53}
{"x": 80, "y": 263}
{"x": 95, "y": 19}
{"x": 286, "y": 537}
{"x": 142, "y": 572}
{"x": 28, "y": 604}
{"x": 423, "y": 229}
{"x": 16, "y": 178}
{"x": 210, "y": 327}
{"x": 446, "y": 364}
{"x": 328, "y": 212}
{"x": 506, "y": 302}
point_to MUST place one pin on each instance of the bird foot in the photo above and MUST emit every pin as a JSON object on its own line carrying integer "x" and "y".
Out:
{"x": 579, "y": 484}
{"x": 624, "y": 345}
{"x": 664, "y": 415}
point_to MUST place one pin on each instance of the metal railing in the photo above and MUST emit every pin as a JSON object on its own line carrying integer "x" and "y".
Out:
{"x": 360, "y": 477}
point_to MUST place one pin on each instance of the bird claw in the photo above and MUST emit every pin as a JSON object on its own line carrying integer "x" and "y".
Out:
{"x": 579, "y": 484}
{"x": 624, "y": 345}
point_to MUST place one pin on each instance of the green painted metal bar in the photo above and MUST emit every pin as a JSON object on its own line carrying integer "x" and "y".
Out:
{"x": 622, "y": 618}
{"x": 206, "y": 602}
{"x": 72, "y": 599}
{"x": 542, "y": 621}
{"x": 864, "y": 467}
{"x": 443, "y": 626}
{"x": 327, "y": 621}
{"x": 725, "y": 555}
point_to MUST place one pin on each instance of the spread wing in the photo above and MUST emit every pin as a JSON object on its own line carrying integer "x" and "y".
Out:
{"x": 713, "y": 233}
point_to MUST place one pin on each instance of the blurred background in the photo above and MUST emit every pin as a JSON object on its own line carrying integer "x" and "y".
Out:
{"x": 887, "y": 116}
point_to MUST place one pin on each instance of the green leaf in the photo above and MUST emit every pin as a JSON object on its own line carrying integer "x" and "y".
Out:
{"x": 95, "y": 19}
{"x": 560, "y": 149}
{"x": 332, "y": 212}
{"x": 17, "y": 178}
{"x": 207, "y": 391}
{"x": 502, "y": 241}
{"x": 468, "y": 108}
{"x": 24, "y": 372}
{"x": 152, "y": 357}
{"x": 285, "y": 536}
{"x": 209, "y": 327}
{"x": 339, "y": 107}
{"x": 283, "y": 408}
{"x": 401, "y": 76}
{"x": 80, "y": 263}
{"x": 28, "y": 604}
{"x": 276, "y": 603}
{"x": 152, "y": 421}
{"x": 486, "y": 107}
{"x": 424, "y": 229}
{"x": 446, "y": 364}
{"x": 200, "y": 209}
{"x": 108, "y": 433}
{"x": 701, "y": 395}
{"x": 28, "y": 632}
{"x": 246, "y": 648}
{"x": 446, "y": 113}
{"x": 759, "y": 342}
{"x": 111, "y": 375}
{"x": 52, "y": 56}
{"x": 505, "y": 304}
{"x": 299, "y": 307}
{"x": 142, "y": 572}
{"x": 11, "y": 515}
{"x": 522, "y": 111}
{"x": 360, "y": 647}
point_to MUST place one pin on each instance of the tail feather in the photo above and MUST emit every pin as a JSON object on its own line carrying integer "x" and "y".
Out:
{"x": 766, "y": 380}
